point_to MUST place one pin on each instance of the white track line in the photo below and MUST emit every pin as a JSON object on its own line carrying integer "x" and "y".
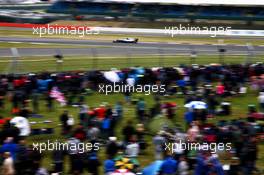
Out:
{"x": 39, "y": 43}
{"x": 13, "y": 42}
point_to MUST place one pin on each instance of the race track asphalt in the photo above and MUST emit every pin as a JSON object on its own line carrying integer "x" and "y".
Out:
{"x": 107, "y": 48}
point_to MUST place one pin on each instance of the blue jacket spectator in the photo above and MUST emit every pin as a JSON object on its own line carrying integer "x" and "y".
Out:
{"x": 109, "y": 166}
{"x": 188, "y": 116}
{"x": 169, "y": 166}
{"x": 9, "y": 146}
{"x": 201, "y": 166}
{"x": 216, "y": 167}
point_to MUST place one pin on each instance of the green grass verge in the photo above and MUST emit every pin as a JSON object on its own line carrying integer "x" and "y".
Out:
{"x": 39, "y": 45}
{"x": 48, "y": 63}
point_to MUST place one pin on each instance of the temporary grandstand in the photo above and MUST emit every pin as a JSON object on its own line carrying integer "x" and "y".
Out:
{"x": 168, "y": 9}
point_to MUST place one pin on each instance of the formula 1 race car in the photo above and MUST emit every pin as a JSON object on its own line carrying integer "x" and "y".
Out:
{"x": 126, "y": 40}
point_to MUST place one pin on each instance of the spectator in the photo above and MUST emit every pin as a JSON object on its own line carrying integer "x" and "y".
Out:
{"x": 220, "y": 89}
{"x": 212, "y": 104}
{"x": 93, "y": 133}
{"x": 215, "y": 166}
{"x": 128, "y": 131}
{"x": 8, "y": 165}
{"x": 9, "y": 146}
{"x": 109, "y": 166}
{"x": 58, "y": 160}
{"x": 119, "y": 110}
{"x": 178, "y": 149}
{"x": 21, "y": 153}
{"x": 189, "y": 118}
{"x": 106, "y": 127}
{"x": 141, "y": 109}
{"x": 132, "y": 149}
{"x": 79, "y": 133}
{"x": 169, "y": 166}
{"x": 49, "y": 102}
{"x": 83, "y": 113}
{"x": 159, "y": 144}
{"x": 112, "y": 147}
{"x": 64, "y": 121}
{"x": 193, "y": 132}
{"x": 74, "y": 154}
{"x": 35, "y": 102}
{"x": 100, "y": 112}
{"x": 201, "y": 164}
{"x": 183, "y": 166}
{"x": 140, "y": 132}
{"x": 93, "y": 163}
{"x": 261, "y": 101}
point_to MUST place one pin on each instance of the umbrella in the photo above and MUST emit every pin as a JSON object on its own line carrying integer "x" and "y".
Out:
{"x": 153, "y": 168}
{"x": 22, "y": 124}
{"x": 125, "y": 163}
{"x": 196, "y": 105}
{"x": 112, "y": 76}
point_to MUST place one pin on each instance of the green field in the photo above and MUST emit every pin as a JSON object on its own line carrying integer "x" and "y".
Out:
{"x": 48, "y": 63}
{"x": 39, "y": 45}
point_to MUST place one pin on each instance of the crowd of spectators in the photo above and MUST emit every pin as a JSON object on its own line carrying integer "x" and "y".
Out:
{"x": 215, "y": 85}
